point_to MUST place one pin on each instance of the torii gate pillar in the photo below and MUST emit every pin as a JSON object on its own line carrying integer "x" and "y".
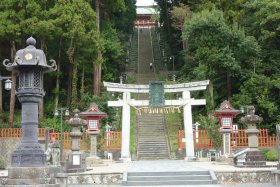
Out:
{"x": 125, "y": 153}
{"x": 188, "y": 127}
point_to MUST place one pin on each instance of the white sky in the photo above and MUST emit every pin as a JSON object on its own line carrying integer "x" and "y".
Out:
{"x": 144, "y": 2}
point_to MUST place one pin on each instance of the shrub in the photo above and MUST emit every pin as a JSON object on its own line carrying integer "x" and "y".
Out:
{"x": 271, "y": 155}
{"x": 3, "y": 163}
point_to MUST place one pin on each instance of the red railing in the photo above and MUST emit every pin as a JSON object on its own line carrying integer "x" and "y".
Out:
{"x": 238, "y": 139}
{"x": 111, "y": 140}
{"x": 201, "y": 139}
{"x": 16, "y": 132}
{"x": 108, "y": 141}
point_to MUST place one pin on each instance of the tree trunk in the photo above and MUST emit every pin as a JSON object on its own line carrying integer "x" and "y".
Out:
{"x": 74, "y": 98}
{"x": 97, "y": 11}
{"x": 14, "y": 79}
{"x": 57, "y": 83}
{"x": 13, "y": 100}
{"x": 229, "y": 85}
{"x": 41, "y": 103}
{"x": 97, "y": 65}
{"x": 1, "y": 95}
{"x": 211, "y": 93}
{"x": 82, "y": 89}
{"x": 69, "y": 89}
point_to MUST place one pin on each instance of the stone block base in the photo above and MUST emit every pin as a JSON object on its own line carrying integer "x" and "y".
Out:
{"x": 276, "y": 177}
{"x": 94, "y": 162}
{"x": 48, "y": 176}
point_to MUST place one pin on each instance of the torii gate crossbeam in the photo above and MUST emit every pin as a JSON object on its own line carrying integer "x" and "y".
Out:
{"x": 186, "y": 102}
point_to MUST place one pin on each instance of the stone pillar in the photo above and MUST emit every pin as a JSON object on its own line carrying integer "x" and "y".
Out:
{"x": 93, "y": 145}
{"x": 252, "y": 133}
{"x": 28, "y": 165}
{"x": 76, "y": 160}
{"x": 278, "y": 138}
{"x": 226, "y": 141}
{"x": 188, "y": 127}
{"x": 276, "y": 173}
{"x": 125, "y": 153}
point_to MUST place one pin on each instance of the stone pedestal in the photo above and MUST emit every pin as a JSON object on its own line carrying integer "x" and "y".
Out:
{"x": 93, "y": 159}
{"x": 226, "y": 142}
{"x": 252, "y": 133}
{"x": 253, "y": 157}
{"x": 76, "y": 160}
{"x": 34, "y": 176}
{"x": 276, "y": 177}
{"x": 93, "y": 144}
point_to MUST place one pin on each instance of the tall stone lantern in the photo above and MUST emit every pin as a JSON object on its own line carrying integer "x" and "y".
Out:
{"x": 253, "y": 157}
{"x": 31, "y": 64}
{"x": 225, "y": 114}
{"x": 76, "y": 159}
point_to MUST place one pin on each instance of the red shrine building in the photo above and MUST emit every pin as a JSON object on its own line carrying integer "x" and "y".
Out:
{"x": 144, "y": 16}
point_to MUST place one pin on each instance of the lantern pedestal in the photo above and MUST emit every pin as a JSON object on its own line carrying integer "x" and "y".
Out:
{"x": 93, "y": 159}
{"x": 34, "y": 176}
{"x": 76, "y": 160}
{"x": 28, "y": 163}
{"x": 226, "y": 142}
{"x": 252, "y": 157}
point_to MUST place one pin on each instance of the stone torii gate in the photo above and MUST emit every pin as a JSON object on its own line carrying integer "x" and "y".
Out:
{"x": 186, "y": 102}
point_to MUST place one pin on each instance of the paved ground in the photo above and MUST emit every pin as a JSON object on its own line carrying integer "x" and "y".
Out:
{"x": 170, "y": 165}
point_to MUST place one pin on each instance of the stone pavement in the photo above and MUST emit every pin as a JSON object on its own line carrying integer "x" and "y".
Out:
{"x": 169, "y": 165}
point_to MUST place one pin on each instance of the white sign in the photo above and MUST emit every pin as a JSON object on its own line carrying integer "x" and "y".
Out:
{"x": 76, "y": 160}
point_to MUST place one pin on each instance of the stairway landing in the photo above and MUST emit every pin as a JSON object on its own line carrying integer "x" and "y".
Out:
{"x": 154, "y": 169}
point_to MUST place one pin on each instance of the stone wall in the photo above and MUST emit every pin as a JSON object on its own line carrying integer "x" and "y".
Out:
{"x": 244, "y": 177}
{"x": 116, "y": 178}
{"x": 108, "y": 179}
{"x": 8, "y": 146}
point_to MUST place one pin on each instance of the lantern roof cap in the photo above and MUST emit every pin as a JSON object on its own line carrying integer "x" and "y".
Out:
{"x": 76, "y": 120}
{"x": 226, "y": 108}
{"x": 30, "y": 57}
{"x": 93, "y": 111}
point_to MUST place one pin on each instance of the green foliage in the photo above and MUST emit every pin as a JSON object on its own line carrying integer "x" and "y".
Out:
{"x": 211, "y": 124}
{"x": 3, "y": 163}
{"x": 270, "y": 154}
{"x": 54, "y": 123}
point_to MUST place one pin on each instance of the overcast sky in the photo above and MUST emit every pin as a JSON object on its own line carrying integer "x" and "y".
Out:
{"x": 144, "y": 2}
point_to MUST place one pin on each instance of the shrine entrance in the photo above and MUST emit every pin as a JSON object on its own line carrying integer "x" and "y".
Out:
{"x": 156, "y": 104}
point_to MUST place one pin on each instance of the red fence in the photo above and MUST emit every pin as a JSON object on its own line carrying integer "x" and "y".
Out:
{"x": 238, "y": 139}
{"x": 16, "y": 132}
{"x": 111, "y": 140}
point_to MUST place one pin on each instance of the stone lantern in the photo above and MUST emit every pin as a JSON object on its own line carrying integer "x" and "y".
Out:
{"x": 31, "y": 64}
{"x": 93, "y": 116}
{"x": 76, "y": 159}
{"x": 253, "y": 156}
{"x": 225, "y": 115}
{"x": 28, "y": 162}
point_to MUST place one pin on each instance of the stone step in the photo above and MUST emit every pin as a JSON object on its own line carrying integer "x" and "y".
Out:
{"x": 169, "y": 182}
{"x": 168, "y": 178}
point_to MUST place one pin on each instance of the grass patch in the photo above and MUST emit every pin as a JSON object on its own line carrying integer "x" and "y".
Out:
{"x": 174, "y": 123}
{"x": 132, "y": 131}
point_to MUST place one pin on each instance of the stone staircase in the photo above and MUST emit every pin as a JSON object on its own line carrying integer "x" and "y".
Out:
{"x": 170, "y": 178}
{"x": 152, "y": 137}
{"x": 145, "y": 74}
{"x": 133, "y": 53}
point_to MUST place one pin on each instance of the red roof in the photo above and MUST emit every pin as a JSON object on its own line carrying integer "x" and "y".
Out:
{"x": 93, "y": 110}
{"x": 226, "y": 108}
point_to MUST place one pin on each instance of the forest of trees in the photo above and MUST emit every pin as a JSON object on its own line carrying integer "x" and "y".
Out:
{"x": 85, "y": 37}
{"x": 234, "y": 44}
